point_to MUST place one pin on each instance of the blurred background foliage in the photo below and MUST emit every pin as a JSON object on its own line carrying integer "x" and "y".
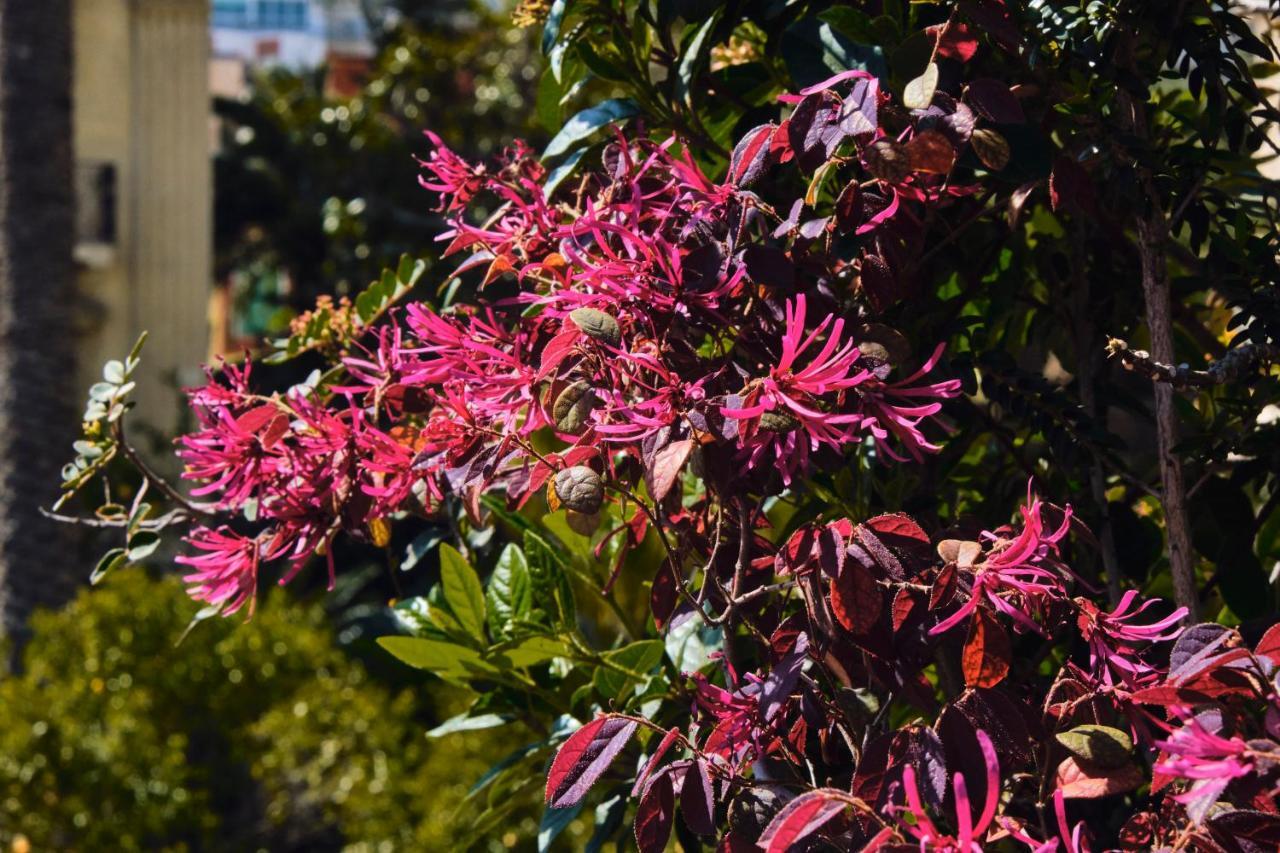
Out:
{"x": 315, "y": 194}
{"x": 257, "y": 735}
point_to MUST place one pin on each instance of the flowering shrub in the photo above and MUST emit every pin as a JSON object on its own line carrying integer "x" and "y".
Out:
{"x": 648, "y": 367}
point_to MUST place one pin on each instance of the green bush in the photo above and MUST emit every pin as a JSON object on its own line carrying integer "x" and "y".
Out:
{"x": 259, "y": 734}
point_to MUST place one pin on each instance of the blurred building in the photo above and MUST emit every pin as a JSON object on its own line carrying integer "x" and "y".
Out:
{"x": 297, "y": 34}
{"x": 144, "y": 192}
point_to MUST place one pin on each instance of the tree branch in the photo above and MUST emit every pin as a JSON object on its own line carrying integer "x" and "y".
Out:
{"x": 1234, "y": 365}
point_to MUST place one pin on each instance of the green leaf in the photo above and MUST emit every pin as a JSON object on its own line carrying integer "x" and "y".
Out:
{"x": 462, "y": 591}
{"x": 466, "y": 723}
{"x": 509, "y": 595}
{"x": 588, "y": 122}
{"x": 415, "y": 616}
{"x": 564, "y": 170}
{"x": 919, "y": 92}
{"x": 551, "y": 28}
{"x": 626, "y": 667}
{"x": 530, "y": 651}
{"x": 422, "y": 544}
{"x": 1102, "y": 746}
{"x": 813, "y": 51}
{"x": 444, "y": 659}
{"x": 552, "y": 593}
{"x": 690, "y": 642}
{"x": 113, "y": 559}
{"x": 693, "y": 57}
{"x": 143, "y": 544}
{"x": 554, "y": 822}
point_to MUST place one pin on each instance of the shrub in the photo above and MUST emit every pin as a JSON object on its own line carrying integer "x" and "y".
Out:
{"x": 117, "y": 736}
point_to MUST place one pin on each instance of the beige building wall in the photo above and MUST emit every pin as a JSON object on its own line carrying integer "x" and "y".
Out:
{"x": 142, "y": 106}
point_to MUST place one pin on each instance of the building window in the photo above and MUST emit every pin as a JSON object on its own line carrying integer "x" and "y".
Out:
{"x": 282, "y": 14}
{"x": 231, "y": 13}
{"x": 95, "y": 202}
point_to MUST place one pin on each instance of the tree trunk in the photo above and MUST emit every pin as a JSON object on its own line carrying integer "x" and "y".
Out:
{"x": 1152, "y": 234}
{"x": 37, "y": 224}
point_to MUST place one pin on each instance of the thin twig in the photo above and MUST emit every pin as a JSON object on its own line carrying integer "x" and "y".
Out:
{"x": 1234, "y": 365}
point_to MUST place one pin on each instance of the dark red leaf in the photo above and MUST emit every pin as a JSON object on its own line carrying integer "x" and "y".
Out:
{"x": 944, "y": 587}
{"x": 1076, "y": 782}
{"x": 750, "y": 155}
{"x": 1195, "y": 647}
{"x": 1269, "y": 645}
{"x": 859, "y": 111}
{"x": 987, "y": 651}
{"x": 848, "y": 209}
{"x": 664, "y": 596}
{"x": 584, "y": 757}
{"x": 655, "y": 815}
{"x": 667, "y": 740}
{"x": 1247, "y": 830}
{"x": 831, "y": 551}
{"x": 802, "y": 817}
{"x": 782, "y": 678}
{"x": 793, "y": 557}
{"x": 698, "y": 799}
{"x": 929, "y": 151}
{"x": 856, "y": 599}
{"x": 954, "y": 40}
{"x": 908, "y": 604}
{"x": 1070, "y": 187}
{"x": 996, "y": 714}
{"x": 665, "y": 470}
{"x": 878, "y": 282}
{"x": 992, "y": 100}
{"x": 905, "y": 538}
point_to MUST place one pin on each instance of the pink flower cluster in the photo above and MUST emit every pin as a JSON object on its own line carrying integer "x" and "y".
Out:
{"x": 655, "y": 307}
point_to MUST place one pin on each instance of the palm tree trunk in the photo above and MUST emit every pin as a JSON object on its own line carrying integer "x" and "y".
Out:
{"x": 37, "y": 224}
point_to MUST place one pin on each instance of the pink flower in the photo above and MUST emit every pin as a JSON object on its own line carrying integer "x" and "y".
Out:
{"x": 969, "y": 832}
{"x": 1114, "y": 638}
{"x": 1208, "y": 760}
{"x": 225, "y": 575}
{"x": 1020, "y": 575}
{"x": 793, "y": 390}
{"x": 454, "y": 178}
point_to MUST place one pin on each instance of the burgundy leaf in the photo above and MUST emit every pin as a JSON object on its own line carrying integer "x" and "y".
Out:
{"x": 848, "y": 209}
{"x": 1070, "y": 187}
{"x": 1248, "y": 830}
{"x": 856, "y": 599}
{"x": 954, "y": 40}
{"x": 782, "y": 679}
{"x": 697, "y": 800}
{"x": 908, "y": 605}
{"x": 987, "y": 651}
{"x": 992, "y": 100}
{"x": 1076, "y": 782}
{"x": 878, "y": 282}
{"x": 929, "y": 151}
{"x": 665, "y": 470}
{"x": 750, "y": 155}
{"x": 802, "y": 817}
{"x": 1269, "y": 645}
{"x": 667, "y": 740}
{"x": 663, "y": 596}
{"x": 905, "y": 537}
{"x": 584, "y": 757}
{"x": 655, "y": 815}
{"x": 1194, "y": 647}
{"x": 830, "y": 551}
{"x": 858, "y": 112}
